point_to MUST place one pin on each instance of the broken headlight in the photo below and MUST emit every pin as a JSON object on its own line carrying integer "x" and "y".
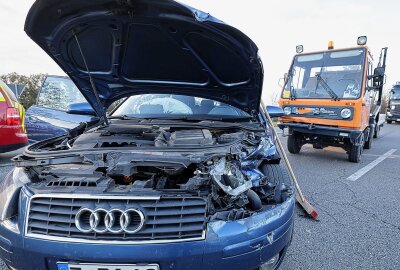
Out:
{"x": 10, "y": 187}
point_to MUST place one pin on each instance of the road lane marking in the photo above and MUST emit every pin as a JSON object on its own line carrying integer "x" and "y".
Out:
{"x": 6, "y": 165}
{"x": 373, "y": 155}
{"x": 370, "y": 166}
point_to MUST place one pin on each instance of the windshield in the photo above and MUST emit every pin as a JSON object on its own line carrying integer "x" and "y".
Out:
{"x": 175, "y": 106}
{"x": 336, "y": 74}
{"x": 395, "y": 94}
{"x": 59, "y": 92}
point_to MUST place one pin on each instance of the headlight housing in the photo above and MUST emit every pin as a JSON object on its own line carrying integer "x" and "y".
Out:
{"x": 287, "y": 110}
{"x": 345, "y": 113}
{"x": 10, "y": 188}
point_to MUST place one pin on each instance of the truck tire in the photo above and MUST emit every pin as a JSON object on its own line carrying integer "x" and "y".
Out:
{"x": 355, "y": 151}
{"x": 278, "y": 176}
{"x": 293, "y": 144}
{"x": 377, "y": 131}
{"x": 389, "y": 121}
{"x": 368, "y": 143}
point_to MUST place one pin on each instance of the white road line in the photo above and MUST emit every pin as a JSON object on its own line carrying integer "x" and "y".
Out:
{"x": 373, "y": 155}
{"x": 370, "y": 166}
{"x": 6, "y": 164}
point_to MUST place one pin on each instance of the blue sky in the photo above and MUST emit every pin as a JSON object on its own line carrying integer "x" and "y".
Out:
{"x": 276, "y": 27}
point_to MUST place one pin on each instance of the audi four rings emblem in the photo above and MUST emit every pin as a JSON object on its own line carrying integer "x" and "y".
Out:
{"x": 109, "y": 221}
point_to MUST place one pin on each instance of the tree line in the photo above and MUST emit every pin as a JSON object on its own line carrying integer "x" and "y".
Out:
{"x": 34, "y": 82}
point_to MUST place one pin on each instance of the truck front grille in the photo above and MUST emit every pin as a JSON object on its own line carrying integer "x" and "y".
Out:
{"x": 396, "y": 109}
{"x": 164, "y": 219}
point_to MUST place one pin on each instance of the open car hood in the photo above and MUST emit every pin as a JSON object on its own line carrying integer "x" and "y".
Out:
{"x": 132, "y": 47}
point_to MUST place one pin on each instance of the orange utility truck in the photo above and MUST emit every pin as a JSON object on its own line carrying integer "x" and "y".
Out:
{"x": 333, "y": 98}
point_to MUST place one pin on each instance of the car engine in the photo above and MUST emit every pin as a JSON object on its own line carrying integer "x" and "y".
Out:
{"x": 226, "y": 166}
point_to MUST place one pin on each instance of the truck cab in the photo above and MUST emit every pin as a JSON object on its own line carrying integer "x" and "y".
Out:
{"x": 393, "y": 110}
{"x": 333, "y": 98}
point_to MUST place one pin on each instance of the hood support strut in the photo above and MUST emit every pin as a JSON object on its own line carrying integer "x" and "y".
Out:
{"x": 103, "y": 116}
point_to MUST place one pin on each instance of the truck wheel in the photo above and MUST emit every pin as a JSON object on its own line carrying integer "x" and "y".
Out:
{"x": 377, "y": 131}
{"x": 368, "y": 143}
{"x": 356, "y": 151}
{"x": 389, "y": 121}
{"x": 279, "y": 177}
{"x": 293, "y": 144}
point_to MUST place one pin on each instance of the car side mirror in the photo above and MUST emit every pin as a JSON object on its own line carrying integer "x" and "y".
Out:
{"x": 378, "y": 76}
{"x": 80, "y": 108}
{"x": 274, "y": 111}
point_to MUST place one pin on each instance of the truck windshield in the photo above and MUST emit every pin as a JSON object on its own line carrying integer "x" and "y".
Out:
{"x": 331, "y": 74}
{"x": 395, "y": 94}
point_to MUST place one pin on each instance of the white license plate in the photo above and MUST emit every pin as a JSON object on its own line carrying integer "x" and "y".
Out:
{"x": 93, "y": 266}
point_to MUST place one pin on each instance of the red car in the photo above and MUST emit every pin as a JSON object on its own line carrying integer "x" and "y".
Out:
{"x": 12, "y": 115}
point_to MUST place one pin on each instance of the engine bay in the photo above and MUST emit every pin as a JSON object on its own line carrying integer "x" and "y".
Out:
{"x": 231, "y": 168}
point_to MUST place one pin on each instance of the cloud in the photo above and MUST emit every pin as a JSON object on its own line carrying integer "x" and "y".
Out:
{"x": 17, "y": 51}
{"x": 278, "y": 26}
{"x": 7, "y": 8}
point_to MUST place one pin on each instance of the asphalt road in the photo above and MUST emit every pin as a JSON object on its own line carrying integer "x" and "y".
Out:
{"x": 359, "y": 221}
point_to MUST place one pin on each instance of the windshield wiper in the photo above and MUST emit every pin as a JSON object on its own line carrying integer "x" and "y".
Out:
{"x": 292, "y": 92}
{"x": 184, "y": 118}
{"x": 123, "y": 117}
{"x": 326, "y": 87}
{"x": 199, "y": 118}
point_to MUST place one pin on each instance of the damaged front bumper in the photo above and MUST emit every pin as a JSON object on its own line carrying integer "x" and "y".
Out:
{"x": 241, "y": 244}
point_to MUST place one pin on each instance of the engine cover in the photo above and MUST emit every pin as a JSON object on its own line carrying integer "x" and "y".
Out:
{"x": 196, "y": 137}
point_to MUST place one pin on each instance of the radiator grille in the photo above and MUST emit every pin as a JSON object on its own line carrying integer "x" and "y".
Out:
{"x": 169, "y": 219}
{"x": 396, "y": 109}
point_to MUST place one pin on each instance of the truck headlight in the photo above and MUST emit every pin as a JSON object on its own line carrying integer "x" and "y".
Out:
{"x": 10, "y": 188}
{"x": 392, "y": 107}
{"x": 287, "y": 110}
{"x": 345, "y": 113}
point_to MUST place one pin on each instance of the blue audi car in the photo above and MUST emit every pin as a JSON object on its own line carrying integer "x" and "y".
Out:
{"x": 183, "y": 174}
{"x": 59, "y": 107}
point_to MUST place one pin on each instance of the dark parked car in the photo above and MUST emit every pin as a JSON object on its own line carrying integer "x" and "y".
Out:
{"x": 393, "y": 109}
{"x": 12, "y": 117}
{"x": 59, "y": 107}
{"x": 184, "y": 174}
